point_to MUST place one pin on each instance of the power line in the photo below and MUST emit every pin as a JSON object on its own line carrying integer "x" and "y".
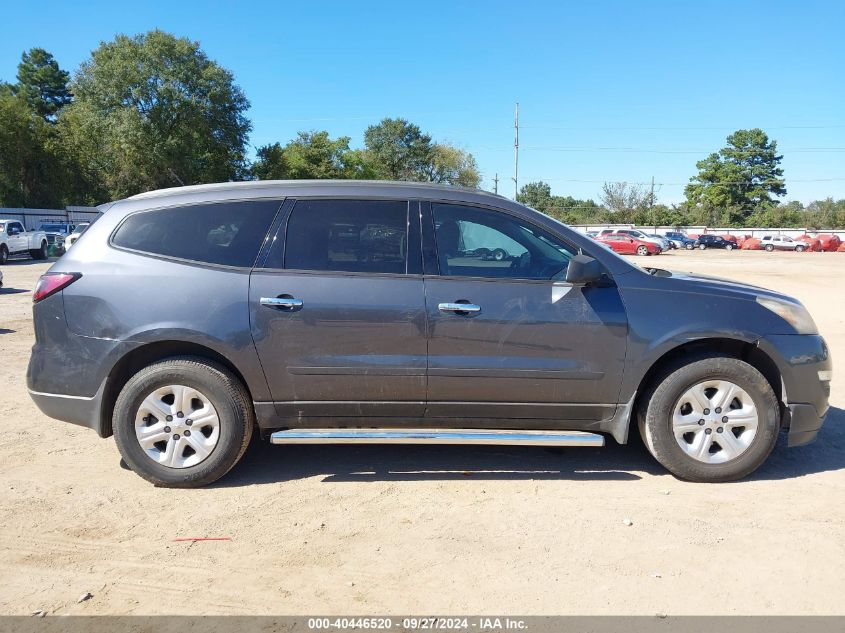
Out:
{"x": 647, "y": 150}
{"x": 674, "y": 151}
{"x": 721, "y": 127}
{"x": 674, "y": 184}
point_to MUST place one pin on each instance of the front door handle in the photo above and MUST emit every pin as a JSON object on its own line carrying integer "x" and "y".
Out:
{"x": 459, "y": 307}
{"x": 288, "y": 303}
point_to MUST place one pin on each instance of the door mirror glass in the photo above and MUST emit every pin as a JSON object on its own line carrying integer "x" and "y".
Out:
{"x": 583, "y": 269}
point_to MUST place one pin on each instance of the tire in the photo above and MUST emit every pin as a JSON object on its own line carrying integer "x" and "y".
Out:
{"x": 663, "y": 398}
{"x": 702, "y": 246}
{"x": 499, "y": 254}
{"x": 800, "y": 249}
{"x": 230, "y": 404}
{"x": 4, "y": 254}
{"x": 729, "y": 247}
{"x": 690, "y": 246}
{"x": 769, "y": 248}
{"x": 39, "y": 253}
{"x": 642, "y": 250}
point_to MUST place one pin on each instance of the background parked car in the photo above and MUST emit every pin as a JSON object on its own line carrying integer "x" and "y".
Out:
{"x": 14, "y": 240}
{"x": 634, "y": 233}
{"x": 782, "y": 243}
{"x": 57, "y": 233}
{"x": 77, "y": 233}
{"x": 714, "y": 241}
{"x": 665, "y": 244}
{"x": 627, "y": 245}
{"x": 680, "y": 240}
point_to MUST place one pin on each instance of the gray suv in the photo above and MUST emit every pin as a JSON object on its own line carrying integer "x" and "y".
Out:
{"x": 186, "y": 319}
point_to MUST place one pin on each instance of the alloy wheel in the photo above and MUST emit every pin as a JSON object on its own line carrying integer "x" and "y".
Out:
{"x": 715, "y": 421}
{"x": 177, "y": 426}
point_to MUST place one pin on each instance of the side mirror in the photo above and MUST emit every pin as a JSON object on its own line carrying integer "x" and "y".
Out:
{"x": 583, "y": 269}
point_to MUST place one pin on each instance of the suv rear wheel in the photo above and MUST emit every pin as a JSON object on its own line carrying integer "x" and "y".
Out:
{"x": 183, "y": 422}
{"x": 711, "y": 420}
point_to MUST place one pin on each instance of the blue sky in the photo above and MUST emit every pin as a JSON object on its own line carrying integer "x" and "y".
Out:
{"x": 607, "y": 90}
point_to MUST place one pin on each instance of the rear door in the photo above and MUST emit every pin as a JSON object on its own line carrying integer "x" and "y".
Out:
{"x": 509, "y": 338}
{"x": 338, "y": 315}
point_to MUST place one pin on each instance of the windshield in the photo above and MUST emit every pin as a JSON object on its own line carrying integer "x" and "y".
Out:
{"x": 52, "y": 227}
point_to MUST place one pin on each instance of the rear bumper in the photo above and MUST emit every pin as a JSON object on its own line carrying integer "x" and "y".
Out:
{"x": 82, "y": 410}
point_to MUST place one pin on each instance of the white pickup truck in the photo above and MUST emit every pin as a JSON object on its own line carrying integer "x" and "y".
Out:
{"x": 15, "y": 240}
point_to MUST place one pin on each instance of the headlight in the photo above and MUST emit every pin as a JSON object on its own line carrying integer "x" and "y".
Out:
{"x": 793, "y": 313}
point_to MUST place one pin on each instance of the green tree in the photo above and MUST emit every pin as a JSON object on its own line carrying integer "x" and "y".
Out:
{"x": 537, "y": 195}
{"x": 741, "y": 177}
{"x": 451, "y": 165}
{"x": 310, "y": 155}
{"x": 825, "y": 214}
{"x": 42, "y": 83}
{"x": 398, "y": 150}
{"x": 625, "y": 200}
{"x": 30, "y": 171}
{"x": 270, "y": 163}
{"x": 154, "y": 111}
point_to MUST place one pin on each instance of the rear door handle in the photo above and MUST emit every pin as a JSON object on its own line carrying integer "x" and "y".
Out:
{"x": 281, "y": 302}
{"x": 458, "y": 307}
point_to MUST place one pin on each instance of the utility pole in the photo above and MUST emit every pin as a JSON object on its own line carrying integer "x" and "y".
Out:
{"x": 496, "y": 183}
{"x": 651, "y": 196}
{"x": 516, "y": 152}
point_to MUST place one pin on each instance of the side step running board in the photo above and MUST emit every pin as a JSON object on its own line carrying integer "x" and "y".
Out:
{"x": 436, "y": 436}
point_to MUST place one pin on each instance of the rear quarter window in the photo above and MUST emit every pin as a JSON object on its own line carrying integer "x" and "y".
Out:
{"x": 225, "y": 233}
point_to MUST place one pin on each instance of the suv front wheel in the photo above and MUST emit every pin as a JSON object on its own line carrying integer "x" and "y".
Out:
{"x": 183, "y": 422}
{"x": 714, "y": 419}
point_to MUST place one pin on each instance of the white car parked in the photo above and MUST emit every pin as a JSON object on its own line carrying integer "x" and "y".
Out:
{"x": 77, "y": 233}
{"x": 782, "y": 243}
{"x": 15, "y": 240}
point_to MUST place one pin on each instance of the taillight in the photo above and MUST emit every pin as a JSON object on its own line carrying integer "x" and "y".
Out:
{"x": 51, "y": 283}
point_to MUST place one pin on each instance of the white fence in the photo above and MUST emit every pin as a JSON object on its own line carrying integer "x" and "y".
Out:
{"x": 699, "y": 230}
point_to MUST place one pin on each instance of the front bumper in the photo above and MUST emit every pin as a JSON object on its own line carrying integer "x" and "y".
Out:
{"x": 800, "y": 360}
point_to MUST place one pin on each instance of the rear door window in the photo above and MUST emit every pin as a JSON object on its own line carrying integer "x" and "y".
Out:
{"x": 359, "y": 236}
{"x": 225, "y": 233}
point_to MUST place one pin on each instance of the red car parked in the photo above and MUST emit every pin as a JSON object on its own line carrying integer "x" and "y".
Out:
{"x": 627, "y": 245}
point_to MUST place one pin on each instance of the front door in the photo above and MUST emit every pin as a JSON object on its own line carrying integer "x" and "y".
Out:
{"x": 338, "y": 314}
{"x": 509, "y": 338}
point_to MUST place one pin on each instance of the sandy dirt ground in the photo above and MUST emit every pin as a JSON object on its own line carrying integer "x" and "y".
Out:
{"x": 424, "y": 530}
